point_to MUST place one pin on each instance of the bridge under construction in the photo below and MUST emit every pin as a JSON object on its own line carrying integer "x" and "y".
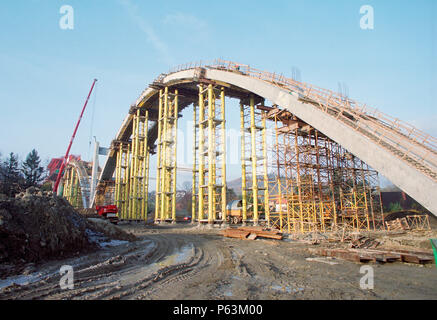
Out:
{"x": 318, "y": 171}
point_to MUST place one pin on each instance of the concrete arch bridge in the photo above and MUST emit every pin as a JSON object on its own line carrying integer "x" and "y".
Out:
{"x": 324, "y": 162}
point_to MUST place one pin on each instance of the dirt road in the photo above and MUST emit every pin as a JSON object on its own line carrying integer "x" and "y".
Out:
{"x": 185, "y": 262}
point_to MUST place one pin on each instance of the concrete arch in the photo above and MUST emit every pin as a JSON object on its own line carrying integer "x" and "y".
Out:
{"x": 386, "y": 149}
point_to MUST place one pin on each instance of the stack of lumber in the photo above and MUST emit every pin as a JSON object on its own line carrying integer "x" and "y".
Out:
{"x": 363, "y": 243}
{"x": 251, "y": 233}
{"x": 373, "y": 255}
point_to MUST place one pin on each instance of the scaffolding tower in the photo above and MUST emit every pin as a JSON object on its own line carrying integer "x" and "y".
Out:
{"x": 132, "y": 170}
{"x": 165, "y": 204}
{"x": 122, "y": 179}
{"x": 316, "y": 185}
{"x": 72, "y": 190}
{"x": 254, "y": 171}
{"x": 138, "y": 184}
{"x": 209, "y": 156}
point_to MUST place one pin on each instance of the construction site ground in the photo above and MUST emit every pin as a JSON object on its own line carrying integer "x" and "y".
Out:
{"x": 183, "y": 261}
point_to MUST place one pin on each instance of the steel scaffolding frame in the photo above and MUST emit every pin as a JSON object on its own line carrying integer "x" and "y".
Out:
{"x": 72, "y": 190}
{"x": 122, "y": 179}
{"x": 138, "y": 184}
{"x": 255, "y": 194}
{"x": 324, "y": 185}
{"x": 165, "y": 204}
{"x": 131, "y": 186}
{"x": 278, "y": 182}
{"x": 195, "y": 176}
{"x": 209, "y": 156}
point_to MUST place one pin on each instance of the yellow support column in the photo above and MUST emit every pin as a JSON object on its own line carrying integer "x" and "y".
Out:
{"x": 223, "y": 137}
{"x": 164, "y": 155}
{"x": 75, "y": 189}
{"x": 135, "y": 159}
{"x": 159, "y": 161}
{"x": 72, "y": 176}
{"x": 201, "y": 153}
{"x": 145, "y": 182}
{"x": 167, "y": 164}
{"x": 140, "y": 170}
{"x": 211, "y": 158}
{"x": 66, "y": 177}
{"x": 126, "y": 182}
{"x": 146, "y": 205}
{"x": 118, "y": 178}
{"x": 195, "y": 172}
{"x": 67, "y": 183}
{"x": 254, "y": 160}
{"x": 174, "y": 164}
{"x": 243, "y": 165}
{"x": 122, "y": 174}
{"x": 131, "y": 173}
{"x": 266, "y": 181}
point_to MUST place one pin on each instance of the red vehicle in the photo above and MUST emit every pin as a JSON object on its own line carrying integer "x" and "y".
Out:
{"x": 108, "y": 212}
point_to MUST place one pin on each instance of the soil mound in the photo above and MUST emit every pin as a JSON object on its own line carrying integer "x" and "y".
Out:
{"x": 37, "y": 226}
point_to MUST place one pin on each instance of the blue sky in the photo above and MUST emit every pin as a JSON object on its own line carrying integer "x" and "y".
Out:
{"x": 46, "y": 72}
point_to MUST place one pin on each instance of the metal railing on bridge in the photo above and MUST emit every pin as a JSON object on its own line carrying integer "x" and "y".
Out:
{"x": 402, "y": 139}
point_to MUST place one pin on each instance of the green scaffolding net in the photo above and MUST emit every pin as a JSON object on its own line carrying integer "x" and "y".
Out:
{"x": 434, "y": 248}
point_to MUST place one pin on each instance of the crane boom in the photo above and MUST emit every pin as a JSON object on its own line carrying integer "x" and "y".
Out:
{"x": 64, "y": 162}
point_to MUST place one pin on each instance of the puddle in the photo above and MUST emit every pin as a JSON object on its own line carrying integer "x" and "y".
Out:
{"x": 281, "y": 288}
{"x": 185, "y": 253}
{"x": 24, "y": 279}
{"x": 180, "y": 256}
{"x": 112, "y": 243}
{"x": 228, "y": 293}
{"x": 77, "y": 264}
{"x": 286, "y": 289}
{"x": 177, "y": 257}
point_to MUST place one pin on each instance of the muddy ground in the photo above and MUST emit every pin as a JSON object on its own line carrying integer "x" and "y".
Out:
{"x": 186, "y": 262}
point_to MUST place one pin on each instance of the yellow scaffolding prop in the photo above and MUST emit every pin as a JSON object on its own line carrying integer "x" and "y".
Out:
{"x": 132, "y": 170}
{"x": 138, "y": 187}
{"x": 210, "y": 199}
{"x": 71, "y": 187}
{"x": 255, "y": 196}
{"x": 195, "y": 182}
{"x": 165, "y": 210}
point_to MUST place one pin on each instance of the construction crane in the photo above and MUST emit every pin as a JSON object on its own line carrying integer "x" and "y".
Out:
{"x": 64, "y": 162}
